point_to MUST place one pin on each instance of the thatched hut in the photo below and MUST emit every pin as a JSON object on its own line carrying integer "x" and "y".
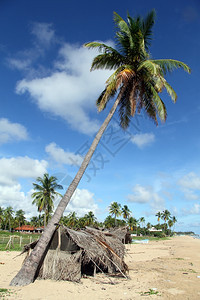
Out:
{"x": 122, "y": 233}
{"x": 73, "y": 253}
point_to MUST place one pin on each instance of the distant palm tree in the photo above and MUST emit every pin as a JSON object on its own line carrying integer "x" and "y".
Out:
{"x": 170, "y": 223}
{"x": 1, "y": 216}
{"x": 158, "y": 215}
{"x": 136, "y": 82}
{"x": 142, "y": 220}
{"x": 34, "y": 221}
{"x": 90, "y": 218}
{"x": 165, "y": 216}
{"x": 19, "y": 216}
{"x": 115, "y": 209}
{"x": 174, "y": 220}
{"x": 109, "y": 222}
{"x": 45, "y": 194}
{"x": 8, "y": 215}
{"x": 72, "y": 220}
{"x": 126, "y": 212}
{"x": 148, "y": 226}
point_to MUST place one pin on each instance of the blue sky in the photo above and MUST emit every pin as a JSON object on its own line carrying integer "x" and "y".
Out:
{"x": 48, "y": 115}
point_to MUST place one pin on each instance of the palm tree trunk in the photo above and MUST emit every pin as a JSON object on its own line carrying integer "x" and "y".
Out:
{"x": 30, "y": 268}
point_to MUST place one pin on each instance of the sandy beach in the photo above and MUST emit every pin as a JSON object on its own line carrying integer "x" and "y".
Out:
{"x": 169, "y": 269}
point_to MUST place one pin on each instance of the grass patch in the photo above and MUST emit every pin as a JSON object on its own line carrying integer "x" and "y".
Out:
{"x": 150, "y": 292}
{"x": 150, "y": 238}
{"x": 188, "y": 270}
{"x": 25, "y": 239}
{"x": 4, "y": 293}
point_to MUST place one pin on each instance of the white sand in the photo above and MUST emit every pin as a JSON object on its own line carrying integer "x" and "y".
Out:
{"x": 170, "y": 267}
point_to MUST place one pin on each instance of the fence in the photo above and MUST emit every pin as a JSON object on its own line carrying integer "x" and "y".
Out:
{"x": 14, "y": 241}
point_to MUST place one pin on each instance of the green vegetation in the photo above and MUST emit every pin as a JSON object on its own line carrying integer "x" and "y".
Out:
{"x": 150, "y": 292}
{"x": 4, "y": 293}
{"x": 45, "y": 193}
{"x": 15, "y": 246}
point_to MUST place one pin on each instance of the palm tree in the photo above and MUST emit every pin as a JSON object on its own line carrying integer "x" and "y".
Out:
{"x": 136, "y": 82}
{"x": 45, "y": 194}
{"x": 142, "y": 220}
{"x": 158, "y": 215}
{"x": 149, "y": 225}
{"x": 170, "y": 223}
{"x": 8, "y": 215}
{"x": 126, "y": 212}
{"x": 115, "y": 209}
{"x": 1, "y": 216}
{"x": 165, "y": 216}
{"x": 34, "y": 221}
{"x": 90, "y": 218}
{"x": 132, "y": 222}
{"x": 19, "y": 216}
{"x": 72, "y": 220}
{"x": 174, "y": 220}
{"x": 109, "y": 222}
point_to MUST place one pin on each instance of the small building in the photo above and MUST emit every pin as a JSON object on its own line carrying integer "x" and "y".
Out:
{"x": 29, "y": 229}
{"x": 153, "y": 229}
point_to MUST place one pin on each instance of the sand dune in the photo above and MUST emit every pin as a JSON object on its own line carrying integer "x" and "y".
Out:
{"x": 169, "y": 268}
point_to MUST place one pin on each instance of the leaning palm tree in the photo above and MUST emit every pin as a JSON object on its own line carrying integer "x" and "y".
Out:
{"x": 115, "y": 209}
{"x": 136, "y": 84}
{"x": 45, "y": 194}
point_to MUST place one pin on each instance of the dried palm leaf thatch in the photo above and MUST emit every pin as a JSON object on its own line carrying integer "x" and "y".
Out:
{"x": 72, "y": 253}
{"x": 61, "y": 265}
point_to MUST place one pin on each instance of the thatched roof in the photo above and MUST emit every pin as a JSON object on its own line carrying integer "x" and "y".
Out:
{"x": 72, "y": 253}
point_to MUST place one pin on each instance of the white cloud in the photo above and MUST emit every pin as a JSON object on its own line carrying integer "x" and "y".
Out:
{"x": 144, "y": 139}
{"x": 13, "y": 196}
{"x": 71, "y": 90}
{"x": 146, "y": 195}
{"x": 64, "y": 157}
{"x": 190, "y": 181}
{"x": 11, "y": 193}
{"x": 82, "y": 202}
{"x": 11, "y": 131}
{"x": 44, "y": 33}
{"x": 20, "y": 167}
{"x": 44, "y": 36}
{"x": 194, "y": 210}
{"x": 140, "y": 194}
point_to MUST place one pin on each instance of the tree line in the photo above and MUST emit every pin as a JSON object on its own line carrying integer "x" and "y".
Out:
{"x": 9, "y": 219}
{"x": 44, "y": 196}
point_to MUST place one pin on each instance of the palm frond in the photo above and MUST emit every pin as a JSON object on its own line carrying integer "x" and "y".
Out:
{"x": 153, "y": 68}
{"x": 101, "y": 47}
{"x": 160, "y": 106}
{"x": 168, "y": 65}
{"x": 107, "y": 61}
{"x": 170, "y": 91}
{"x": 147, "y": 25}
